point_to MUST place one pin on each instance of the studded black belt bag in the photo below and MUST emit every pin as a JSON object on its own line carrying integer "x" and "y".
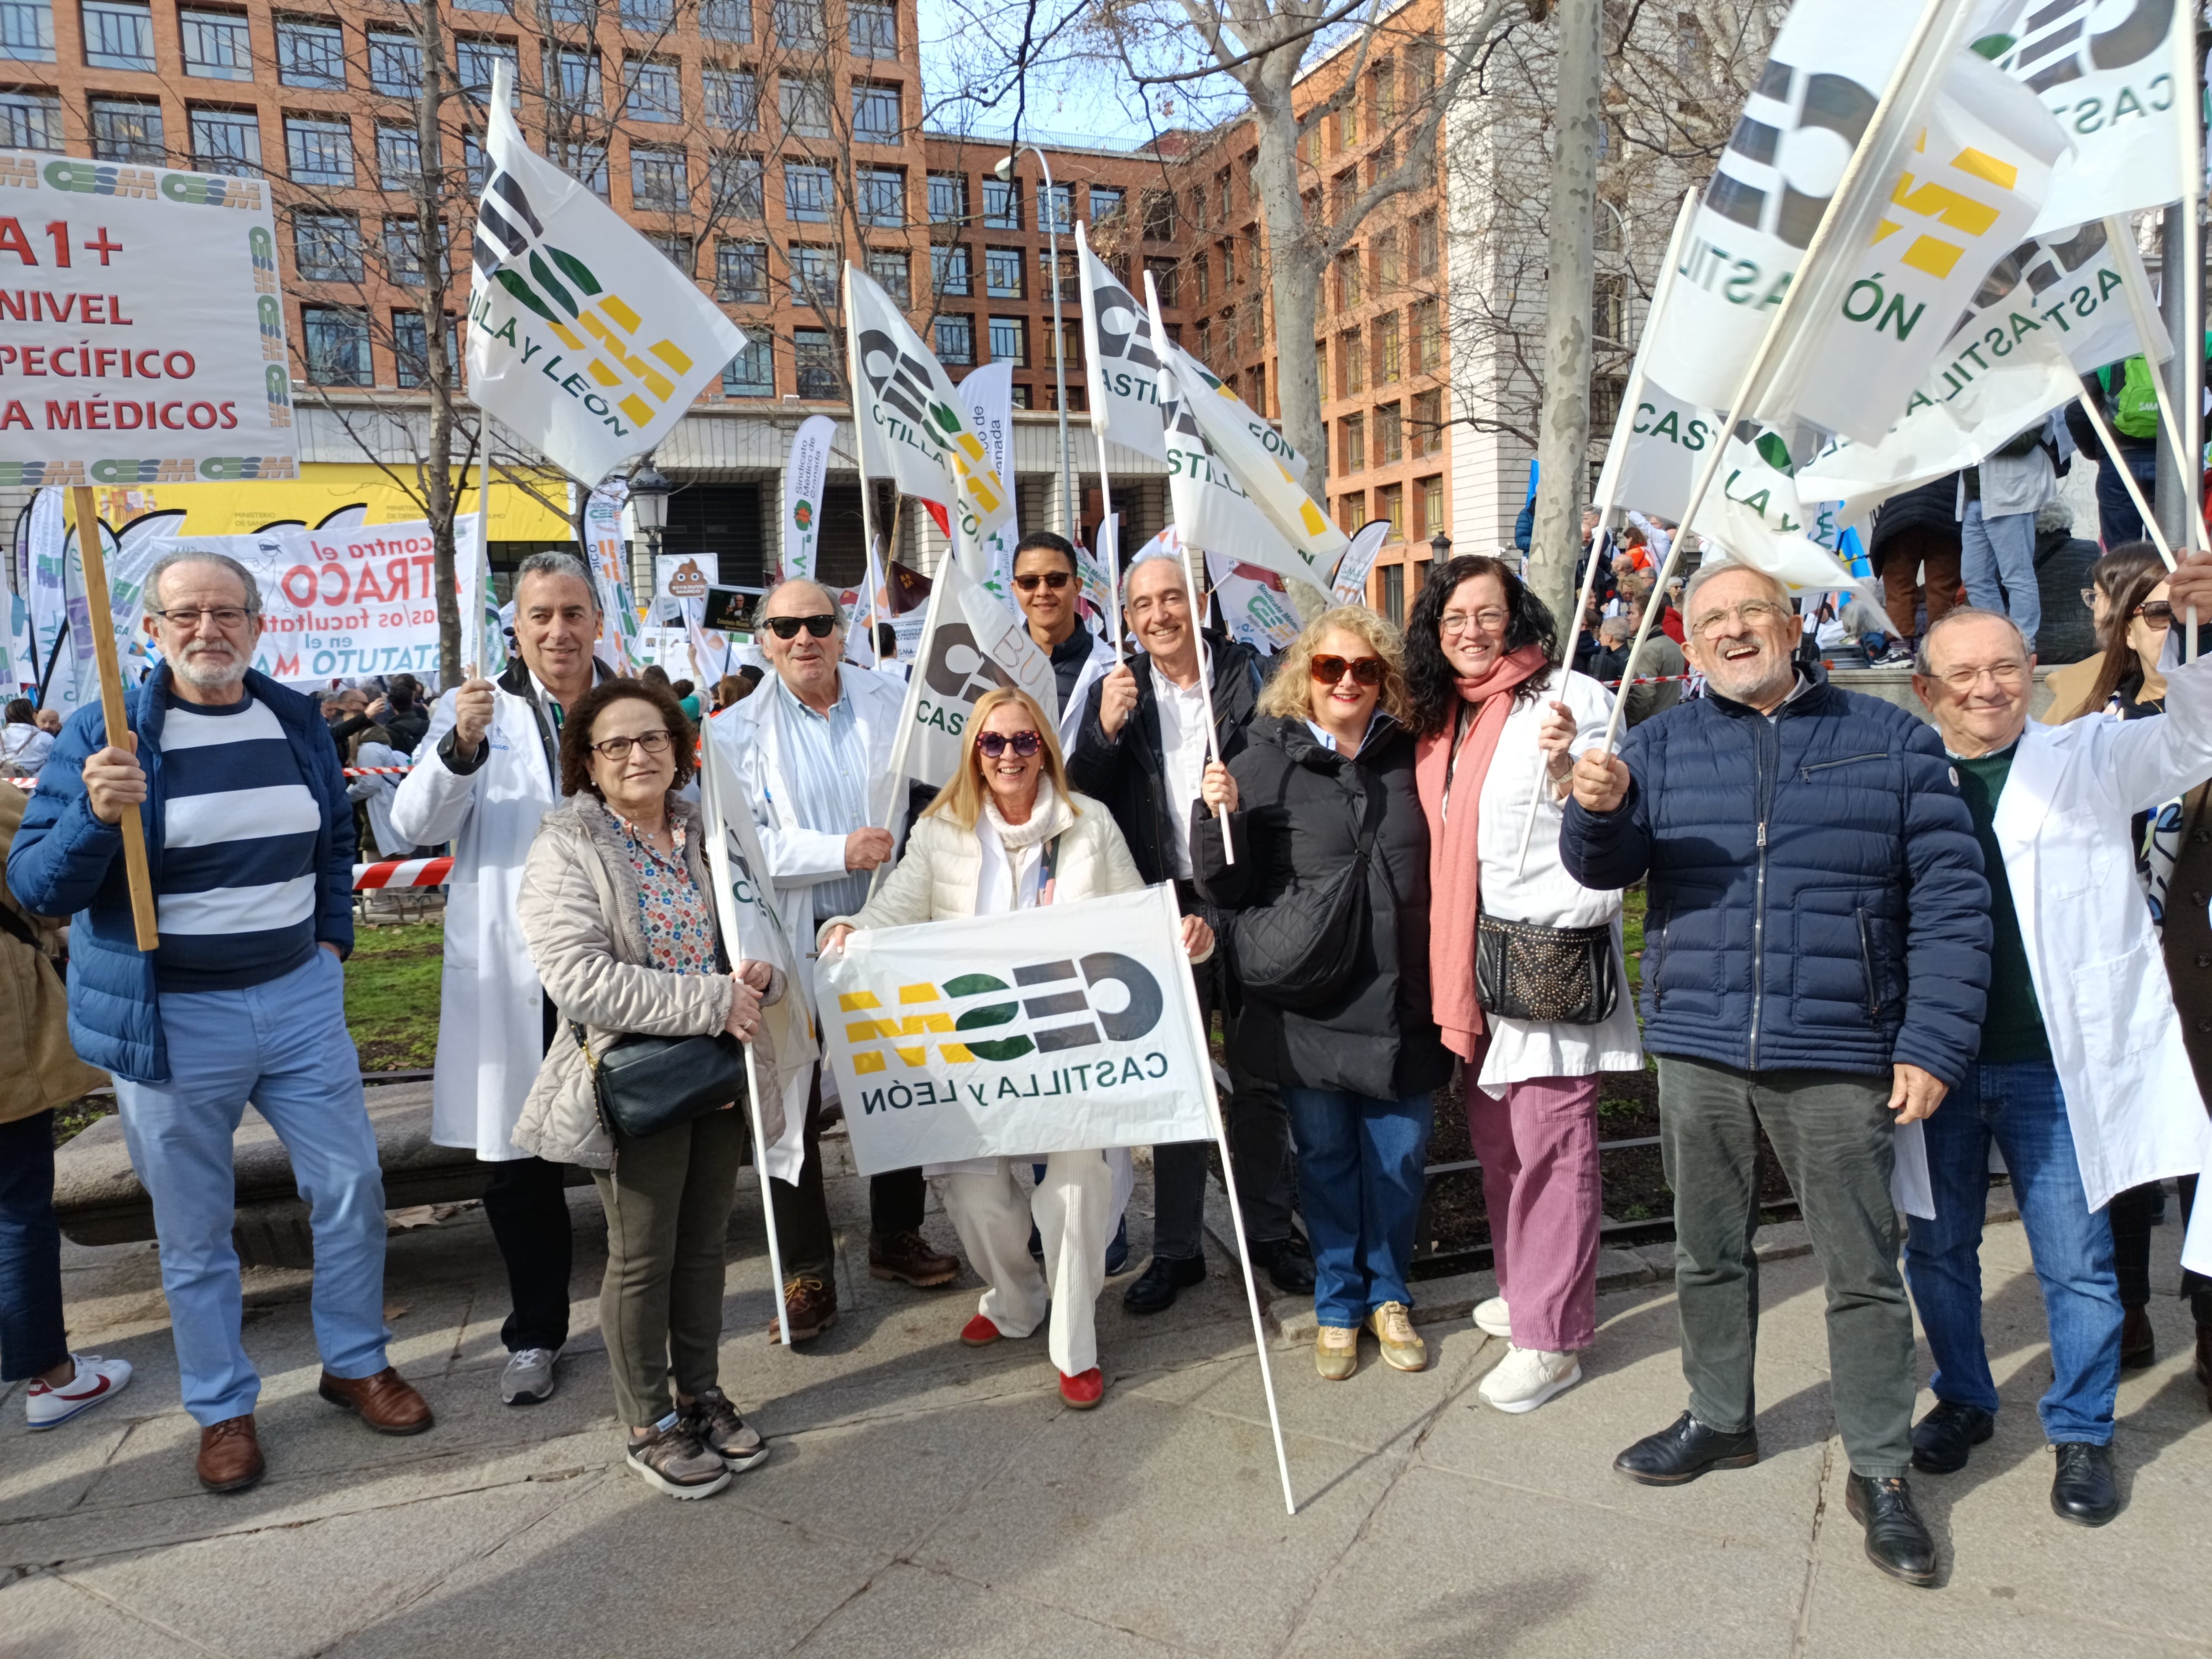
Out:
{"x": 1553, "y": 975}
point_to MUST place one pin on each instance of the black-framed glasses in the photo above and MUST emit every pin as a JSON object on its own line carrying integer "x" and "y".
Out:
{"x": 787, "y": 628}
{"x": 618, "y": 748}
{"x": 995, "y": 743}
{"x": 1365, "y": 670}
{"x": 1055, "y": 580}
{"x": 227, "y": 617}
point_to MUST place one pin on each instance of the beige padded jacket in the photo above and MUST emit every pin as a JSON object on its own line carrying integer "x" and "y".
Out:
{"x": 579, "y": 911}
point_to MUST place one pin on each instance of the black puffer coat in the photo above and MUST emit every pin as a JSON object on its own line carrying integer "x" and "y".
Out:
{"x": 1302, "y": 810}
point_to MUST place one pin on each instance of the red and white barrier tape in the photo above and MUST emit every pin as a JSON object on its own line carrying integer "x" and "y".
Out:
{"x": 402, "y": 873}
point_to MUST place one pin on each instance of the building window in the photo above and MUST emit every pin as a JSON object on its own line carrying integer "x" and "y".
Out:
{"x": 579, "y": 73}
{"x": 736, "y": 183}
{"x": 1432, "y": 499}
{"x": 751, "y": 373}
{"x": 876, "y": 118}
{"x": 1605, "y": 393}
{"x": 1428, "y": 337}
{"x": 395, "y": 63}
{"x": 475, "y": 164}
{"x": 403, "y": 252}
{"x": 1351, "y": 444}
{"x": 733, "y": 99}
{"x": 1159, "y": 215}
{"x": 1389, "y": 435}
{"x": 27, "y": 30}
{"x": 117, "y": 36}
{"x": 948, "y": 198}
{"x": 1056, "y": 210}
{"x": 818, "y": 363}
{"x": 1389, "y": 270}
{"x": 652, "y": 93}
{"x": 1349, "y": 288}
{"x": 949, "y": 273}
{"x": 1351, "y": 365}
{"x": 398, "y": 158}
{"x": 411, "y": 351}
{"x": 1162, "y": 273}
{"x": 474, "y": 60}
{"x": 658, "y": 180}
{"x": 648, "y": 16}
{"x": 30, "y": 120}
{"x": 123, "y": 130}
{"x": 800, "y": 23}
{"x": 1609, "y": 306}
{"x": 218, "y": 45}
{"x": 318, "y": 152}
{"x": 1320, "y": 369}
{"x": 1389, "y": 351}
{"x": 310, "y": 52}
{"x": 335, "y": 341}
{"x": 741, "y": 273}
{"x": 1010, "y": 341}
{"x": 891, "y": 272}
{"x": 727, "y": 20}
{"x": 1002, "y": 203}
{"x": 814, "y": 273}
{"x": 1394, "y": 594}
{"x": 576, "y": 14}
{"x": 586, "y": 164}
{"x": 1428, "y": 434}
{"x": 1390, "y": 503}
{"x": 881, "y": 197}
{"x": 955, "y": 340}
{"x": 872, "y": 28}
{"x": 327, "y": 247}
{"x": 1068, "y": 289}
{"x": 1351, "y": 512}
{"x": 804, "y": 101}
{"x": 808, "y": 192}
{"x": 1105, "y": 203}
{"x": 1070, "y": 333}
{"x": 1201, "y": 271}
{"x": 676, "y": 247}
{"x": 1002, "y": 273}
{"x": 226, "y": 141}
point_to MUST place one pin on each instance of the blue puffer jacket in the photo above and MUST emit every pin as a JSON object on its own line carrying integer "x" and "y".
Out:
{"x": 1816, "y": 890}
{"x": 65, "y": 862}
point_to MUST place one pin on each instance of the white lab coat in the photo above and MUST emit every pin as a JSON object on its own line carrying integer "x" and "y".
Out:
{"x": 2064, "y": 824}
{"x": 1100, "y": 665}
{"x": 491, "y": 1019}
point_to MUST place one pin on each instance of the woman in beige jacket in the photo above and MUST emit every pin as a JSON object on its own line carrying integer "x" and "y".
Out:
{"x": 1008, "y": 833}
{"x": 616, "y": 904}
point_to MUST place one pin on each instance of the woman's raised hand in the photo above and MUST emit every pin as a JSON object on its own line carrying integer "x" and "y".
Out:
{"x": 1218, "y": 788}
{"x": 1556, "y": 738}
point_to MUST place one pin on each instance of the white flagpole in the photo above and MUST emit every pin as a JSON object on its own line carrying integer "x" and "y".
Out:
{"x": 2191, "y": 446}
{"x": 2112, "y": 460}
{"x": 2133, "y": 283}
{"x": 1114, "y": 570}
{"x": 909, "y": 710}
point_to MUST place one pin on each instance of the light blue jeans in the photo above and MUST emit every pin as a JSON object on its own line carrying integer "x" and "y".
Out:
{"x": 284, "y": 1047}
{"x": 1999, "y": 553}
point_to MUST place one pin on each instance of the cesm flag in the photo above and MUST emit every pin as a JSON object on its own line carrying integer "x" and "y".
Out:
{"x": 1121, "y": 365}
{"x": 584, "y": 339}
{"x": 970, "y": 644}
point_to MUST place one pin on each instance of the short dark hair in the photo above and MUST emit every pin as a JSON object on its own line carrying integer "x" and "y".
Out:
{"x": 683, "y": 688}
{"x": 654, "y": 674}
{"x": 1047, "y": 542}
{"x": 403, "y": 690}
{"x": 576, "y": 731}
{"x": 20, "y": 712}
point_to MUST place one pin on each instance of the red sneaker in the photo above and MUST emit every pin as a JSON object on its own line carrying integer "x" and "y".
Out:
{"x": 980, "y": 1332}
{"x": 1085, "y": 1391}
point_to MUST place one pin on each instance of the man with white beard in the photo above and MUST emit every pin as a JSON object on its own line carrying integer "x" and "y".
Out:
{"x": 249, "y": 836}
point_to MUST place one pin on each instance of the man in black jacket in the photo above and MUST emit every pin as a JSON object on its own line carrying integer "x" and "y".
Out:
{"x": 1143, "y": 749}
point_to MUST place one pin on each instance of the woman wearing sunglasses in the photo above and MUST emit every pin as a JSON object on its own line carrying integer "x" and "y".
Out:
{"x": 1323, "y": 794}
{"x": 1499, "y": 727}
{"x": 1007, "y": 834}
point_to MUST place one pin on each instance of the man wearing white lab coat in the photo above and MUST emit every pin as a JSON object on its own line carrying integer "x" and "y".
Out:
{"x": 813, "y": 746}
{"x": 2083, "y": 1082}
{"x": 485, "y": 772}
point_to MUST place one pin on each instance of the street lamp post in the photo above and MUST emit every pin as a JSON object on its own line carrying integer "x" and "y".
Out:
{"x": 1048, "y": 205}
{"x": 648, "y": 497}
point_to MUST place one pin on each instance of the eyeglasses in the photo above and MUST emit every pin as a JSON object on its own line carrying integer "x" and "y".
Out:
{"x": 618, "y": 748}
{"x": 2004, "y": 673}
{"x": 2159, "y": 613}
{"x": 787, "y": 628}
{"x": 227, "y": 617}
{"x": 2089, "y": 598}
{"x": 1365, "y": 670}
{"x": 995, "y": 743}
{"x": 1752, "y": 613}
{"x": 1469, "y": 622}
{"x": 1055, "y": 580}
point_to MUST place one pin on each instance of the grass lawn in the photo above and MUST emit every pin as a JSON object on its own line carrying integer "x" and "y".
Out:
{"x": 391, "y": 995}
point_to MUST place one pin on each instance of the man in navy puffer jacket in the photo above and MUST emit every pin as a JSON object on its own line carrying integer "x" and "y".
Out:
{"x": 1816, "y": 951}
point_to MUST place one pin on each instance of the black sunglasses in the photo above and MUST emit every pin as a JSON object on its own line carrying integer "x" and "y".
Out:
{"x": 787, "y": 628}
{"x": 995, "y": 743}
{"x": 1055, "y": 580}
{"x": 1365, "y": 670}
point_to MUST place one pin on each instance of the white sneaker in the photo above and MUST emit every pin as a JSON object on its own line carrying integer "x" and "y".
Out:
{"x": 1491, "y": 1317}
{"x": 97, "y": 1379}
{"x": 529, "y": 1379}
{"x": 1527, "y": 1378}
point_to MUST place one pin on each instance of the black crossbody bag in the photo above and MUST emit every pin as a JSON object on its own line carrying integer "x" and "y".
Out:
{"x": 648, "y": 1083}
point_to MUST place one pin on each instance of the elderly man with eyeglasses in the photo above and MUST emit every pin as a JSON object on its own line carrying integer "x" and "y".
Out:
{"x": 814, "y": 748}
{"x": 1816, "y": 951}
{"x": 250, "y": 837}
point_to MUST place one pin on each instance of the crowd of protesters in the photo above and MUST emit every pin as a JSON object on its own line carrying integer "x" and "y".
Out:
{"x": 1401, "y": 856}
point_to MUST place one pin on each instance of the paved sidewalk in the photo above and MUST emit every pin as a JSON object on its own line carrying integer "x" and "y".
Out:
{"x": 924, "y": 1499}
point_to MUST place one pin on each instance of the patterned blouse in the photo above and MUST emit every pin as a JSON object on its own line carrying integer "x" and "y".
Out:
{"x": 679, "y": 928}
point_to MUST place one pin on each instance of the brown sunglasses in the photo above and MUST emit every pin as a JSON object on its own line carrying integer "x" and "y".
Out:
{"x": 1365, "y": 670}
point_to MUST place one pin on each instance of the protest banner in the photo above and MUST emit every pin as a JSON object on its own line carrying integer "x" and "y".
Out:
{"x": 803, "y": 478}
{"x": 606, "y": 554}
{"x": 685, "y": 575}
{"x": 1351, "y": 585}
{"x": 1255, "y": 609}
{"x": 987, "y": 394}
{"x": 969, "y": 644}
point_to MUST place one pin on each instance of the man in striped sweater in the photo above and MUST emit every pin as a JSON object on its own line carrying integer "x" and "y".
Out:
{"x": 250, "y": 839}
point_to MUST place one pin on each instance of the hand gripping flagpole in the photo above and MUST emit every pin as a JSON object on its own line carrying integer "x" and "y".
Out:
{"x": 1933, "y": 14}
{"x": 91, "y": 554}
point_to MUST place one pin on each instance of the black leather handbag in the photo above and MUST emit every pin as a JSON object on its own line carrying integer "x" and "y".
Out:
{"x": 648, "y": 1084}
{"x": 1555, "y": 976}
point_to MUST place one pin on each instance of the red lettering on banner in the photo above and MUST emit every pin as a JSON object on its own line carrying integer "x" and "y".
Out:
{"x": 229, "y": 416}
{"x": 193, "y": 415}
{"x": 301, "y": 596}
{"x": 14, "y": 416}
{"x": 365, "y": 587}
{"x": 63, "y": 417}
{"x": 13, "y": 240}
{"x": 424, "y": 567}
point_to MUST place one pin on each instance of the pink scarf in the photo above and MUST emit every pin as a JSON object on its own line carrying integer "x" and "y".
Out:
{"x": 1454, "y": 866}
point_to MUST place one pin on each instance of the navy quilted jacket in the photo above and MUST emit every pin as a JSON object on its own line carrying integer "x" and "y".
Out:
{"x": 1816, "y": 895}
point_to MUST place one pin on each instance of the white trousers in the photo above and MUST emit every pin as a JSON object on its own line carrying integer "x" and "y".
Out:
{"x": 1073, "y": 1208}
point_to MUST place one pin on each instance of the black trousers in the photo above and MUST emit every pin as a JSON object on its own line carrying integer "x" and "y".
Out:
{"x": 803, "y": 1239}
{"x": 526, "y": 1203}
{"x": 2130, "y": 1213}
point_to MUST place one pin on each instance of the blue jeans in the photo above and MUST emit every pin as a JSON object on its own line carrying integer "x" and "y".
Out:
{"x": 1360, "y": 1161}
{"x": 2001, "y": 551}
{"x": 283, "y": 1046}
{"x": 2021, "y": 1108}
{"x": 2118, "y": 521}
{"x": 32, "y": 1341}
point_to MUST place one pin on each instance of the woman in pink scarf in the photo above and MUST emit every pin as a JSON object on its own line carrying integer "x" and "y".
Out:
{"x": 1498, "y": 723}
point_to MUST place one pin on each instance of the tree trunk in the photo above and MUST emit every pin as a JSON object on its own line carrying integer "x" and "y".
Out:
{"x": 1563, "y": 445}
{"x": 1295, "y": 279}
{"x": 439, "y": 375}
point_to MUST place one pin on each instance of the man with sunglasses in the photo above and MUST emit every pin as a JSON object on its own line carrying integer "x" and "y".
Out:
{"x": 1046, "y": 584}
{"x": 814, "y": 747}
{"x": 1142, "y": 749}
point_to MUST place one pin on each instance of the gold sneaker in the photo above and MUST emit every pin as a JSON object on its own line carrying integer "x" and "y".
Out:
{"x": 1336, "y": 1351}
{"x": 1402, "y": 1350}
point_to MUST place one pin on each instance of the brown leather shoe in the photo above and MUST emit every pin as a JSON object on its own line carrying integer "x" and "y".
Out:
{"x": 907, "y": 1256}
{"x": 388, "y": 1402}
{"x": 811, "y": 1305}
{"x": 230, "y": 1455}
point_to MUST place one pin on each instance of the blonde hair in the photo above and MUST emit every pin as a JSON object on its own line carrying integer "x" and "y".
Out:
{"x": 1288, "y": 694}
{"x": 962, "y": 799}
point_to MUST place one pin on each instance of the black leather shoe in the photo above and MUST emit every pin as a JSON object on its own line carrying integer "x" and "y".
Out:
{"x": 1682, "y": 1452}
{"x": 2084, "y": 1490}
{"x": 1897, "y": 1538}
{"x": 1289, "y": 1264}
{"x": 1948, "y": 1434}
{"x": 2138, "y": 1341}
{"x": 1155, "y": 1289}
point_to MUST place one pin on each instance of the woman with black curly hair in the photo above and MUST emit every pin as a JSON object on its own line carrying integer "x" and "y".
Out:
{"x": 1499, "y": 724}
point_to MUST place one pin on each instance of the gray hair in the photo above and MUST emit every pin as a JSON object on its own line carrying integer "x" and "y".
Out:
{"x": 553, "y": 563}
{"x": 1705, "y": 572}
{"x": 1614, "y": 627}
{"x": 168, "y": 562}
{"x": 1921, "y": 662}
{"x": 1129, "y": 576}
{"x": 828, "y": 597}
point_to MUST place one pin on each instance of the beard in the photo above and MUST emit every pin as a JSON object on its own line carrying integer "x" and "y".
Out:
{"x": 210, "y": 670}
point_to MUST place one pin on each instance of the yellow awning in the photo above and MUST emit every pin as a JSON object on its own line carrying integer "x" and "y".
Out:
{"x": 324, "y": 488}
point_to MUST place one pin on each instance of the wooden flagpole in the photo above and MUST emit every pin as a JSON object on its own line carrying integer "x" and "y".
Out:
{"x": 103, "y": 615}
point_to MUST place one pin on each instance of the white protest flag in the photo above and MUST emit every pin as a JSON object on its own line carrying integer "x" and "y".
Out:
{"x": 1121, "y": 364}
{"x": 913, "y": 427}
{"x": 970, "y": 643}
{"x": 1065, "y": 1028}
{"x": 987, "y": 395}
{"x": 1350, "y": 586}
{"x": 583, "y": 338}
{"x": 803, "y": 477}
{"x": 47, "y": 560}
{"x": 1255, "y": 608}
{"x": 19, "y": 671}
